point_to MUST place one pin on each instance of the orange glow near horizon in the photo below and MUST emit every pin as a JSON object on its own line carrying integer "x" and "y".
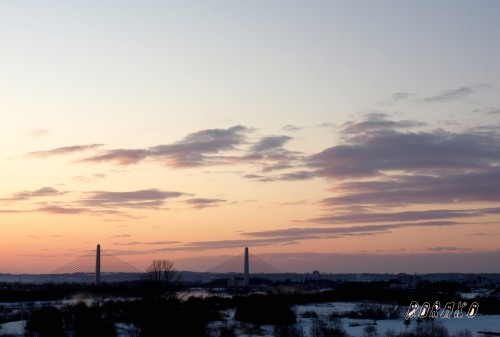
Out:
{"x": 162, "y": 134}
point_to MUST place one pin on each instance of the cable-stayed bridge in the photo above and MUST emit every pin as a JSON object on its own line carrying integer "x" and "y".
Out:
{"x": 93, "y": 268}
{"x": 241, "y": 271}
{"x": 99, "y": 266}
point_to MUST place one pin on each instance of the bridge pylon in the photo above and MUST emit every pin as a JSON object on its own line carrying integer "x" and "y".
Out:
{"x": 98, "y": 265}
{"x": 233, "y": 275}
{"x": 246, "y": 269}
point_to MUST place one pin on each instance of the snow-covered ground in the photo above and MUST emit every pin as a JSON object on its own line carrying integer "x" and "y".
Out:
{"x": 478, "y": 323}
{"x": 17, "y": 329}
{"x": 13, "y": 328}
{"x": 353, "y": 326}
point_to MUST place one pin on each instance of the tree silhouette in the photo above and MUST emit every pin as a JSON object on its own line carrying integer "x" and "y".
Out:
{"x": 45, "y": 322}
{"x": 260, "y": 309}
{"x": 161, "y": 280}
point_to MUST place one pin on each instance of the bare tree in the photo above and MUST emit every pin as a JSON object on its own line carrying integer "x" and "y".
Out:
{"x": 162, "y": 279}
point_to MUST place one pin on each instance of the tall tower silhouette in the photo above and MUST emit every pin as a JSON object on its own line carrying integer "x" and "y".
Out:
{"x": 98, "y": 265}
{"x": 246, "y": 276}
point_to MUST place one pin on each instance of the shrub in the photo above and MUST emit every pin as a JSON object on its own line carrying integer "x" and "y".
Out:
{"x": 225, "y": 331}
{"x": 91, "y": 321}
{"x": 370, "y": 331}
{"x": 370, "y": 311}
{"x": 463, "y": 333}
{"x": 320, "y": 329}
{"x": 392, "y": 333}
{"x": 430, "y": 329}
{"x": 260, "y": 310}
{"x": 45, "y": 322}
{"x": 309, "y": 314}
{"x": 171, "y": 317}
{"x": 288, "y": 331}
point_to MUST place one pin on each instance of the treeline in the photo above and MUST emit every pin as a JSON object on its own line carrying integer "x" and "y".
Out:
{"x": 139, "y": 318}
{"x": 21, "y": 292}
{"x": 197, "y": 317}
{"x": 375, "y": 291}
{"x": 153, "y": 309}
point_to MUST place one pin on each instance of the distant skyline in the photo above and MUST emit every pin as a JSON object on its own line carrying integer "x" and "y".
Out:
{"x": 338, "y": 136}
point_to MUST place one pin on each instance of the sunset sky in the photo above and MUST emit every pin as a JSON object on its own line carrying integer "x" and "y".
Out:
{"x": 342, "y": 136}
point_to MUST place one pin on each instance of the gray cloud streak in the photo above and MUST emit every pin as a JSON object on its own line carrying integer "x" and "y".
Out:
{"x": 151, "y": 198}
{"x": 270, "y": 143}
{"x": 371, "y": 217}
{"x": 200, "y": 203}
{"x": 195, "y": 149}
{"x": 306, "y": 233}
{"x": 371, "y": 151}
{"x": 222, "y": 244}
{"x": 295, "y": 235}
{"x": 450, "y": 95}
{"x": 398, "y": 96}
{"x": 405, "y": 190}
{"x": 384, "y": 164}
{"x": 291, "y": 127}
{"x": 64, "y": 150}
{"x": 40, "y": 193}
